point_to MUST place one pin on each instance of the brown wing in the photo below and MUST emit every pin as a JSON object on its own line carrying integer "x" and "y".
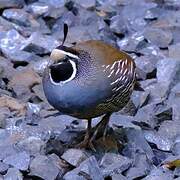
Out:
{"x": 118, "y": 66}
{"x": 101, "y": 51}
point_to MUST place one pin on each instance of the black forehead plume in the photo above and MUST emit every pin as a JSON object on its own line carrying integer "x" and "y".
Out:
{"x": 65, "y": 33}
{"x": 64, "y": 48}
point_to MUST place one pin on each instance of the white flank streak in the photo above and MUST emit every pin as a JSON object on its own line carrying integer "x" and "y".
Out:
{"x": 126, "y": 61}
{"x": 107, "y": 66}
{"x": 115, "y": 81}
{"x": 74, "y": 72}
{"x": 119, "y": 88}
{"x": 103, "y": 66}
{"x": 125, "y": 71}
{"x": 114, "y": 89}
{"x": 122, "y": 64}
{"x": 123, "y": 78}
{"x": 117, "y": 71}
{"x": 111, "y": 73}
{"x": 119, "y": 64}
{"x": 113, "y": 65}
{"x": 67, "y": 53}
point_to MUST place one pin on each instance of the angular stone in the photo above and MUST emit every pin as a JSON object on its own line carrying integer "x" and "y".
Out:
{"x": 158, "y": 37}
{"x": 112, "y": 163}
{"x": 3, "y": 167}
{"x": 20, "y": 161}
{"x": 32, "y": 145}
{"x": 40, "y": 44}
{"x": 147, "y": 64}
{"x": 118, "y": 120}
{"x": 12, "y": 104}
{"x": 161, "y": 141}
{"x": 56, "y": 160}
{"x": 89, "y": 170}
{"x": 168, "y": 71}
{"x": 6, "y": 150}
{"x": 133, "y": 43}
{"x": 119, "y": 177}
{"x": 146, "y": 115}
{"x": 13, "y": 174}
{"x": 11, "y": 41}
{"x": 141, "y": 167}
{"x": 140, "y": 99}
{"x": 43, "y": 167}
{"x": 11, "y": 3}
{"x": 54, "y": 3}
{"x": 38, "y": 8}
{"x": 74, "y": 156}
{"x": 158, "y": 91}
{"x": 159, "y": 174}
{"x": 174, "y": 52}
{"x": 27, "y": 78}
{"x": 20, "y": 17}
{"x": 118, "y": 25}
{"x": 86, "y": 4}
{"x": 138, "y": 143}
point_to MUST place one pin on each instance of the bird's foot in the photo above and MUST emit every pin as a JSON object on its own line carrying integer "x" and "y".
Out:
{"x": 86, "y": 144}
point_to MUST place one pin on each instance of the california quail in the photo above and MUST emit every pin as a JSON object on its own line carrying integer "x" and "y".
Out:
{"x": 89, "y": 79}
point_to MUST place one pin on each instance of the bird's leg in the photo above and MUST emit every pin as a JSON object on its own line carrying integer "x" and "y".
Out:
{"x": 85, "y": 142}
{"x": 102, "y": 124}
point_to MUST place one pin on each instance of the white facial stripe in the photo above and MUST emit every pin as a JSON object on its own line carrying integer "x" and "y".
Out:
{"x": 71, "y": 78}
{"x": 66, "y": 53}
{"x": 74, "y": 71}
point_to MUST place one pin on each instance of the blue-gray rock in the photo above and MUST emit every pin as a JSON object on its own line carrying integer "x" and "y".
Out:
{"x": 140, "y": 168}
{"x": 119, "y": 177}
{"x": 13, "y": 174}
{"x": 11, "y": 3}
{"x": 40, "y": 44}
{"x": 161, "y": 141}
{"x": 20, "y": 17}
{"x": 158, "y": 37}
{"x": 118, "y": 25}
{"x": 19, "y": 161}
{"x": 168, "y": 71}
{"x": 137, "y": 142}
{"x": 159, "y": 174}
{"x": 177, "y": 172}
{"x": 134, "y": 42}
{"x": 87, "y": 169}
{"x": 38, "y": 8}
{"x": 119, "y": 120}
{"x": 43, "y": 167}
{"x": 74, "y": 156}
{"x": 11, "y": 42}
{"x": 32, "y": 145}
{"x": 113, "y": 163}
{"x": 55, "y": 3}
{"x": 173, "y": 51}
{"x": 3, "y": 167}
{"x": 86, "y": 4}
{"x": 56, "y": 160}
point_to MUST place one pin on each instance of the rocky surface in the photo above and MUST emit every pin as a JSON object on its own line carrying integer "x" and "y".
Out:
{"x": 144, "y": 139}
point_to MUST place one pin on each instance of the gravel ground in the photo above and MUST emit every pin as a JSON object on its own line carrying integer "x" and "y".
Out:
{"x": 144, "y": 139}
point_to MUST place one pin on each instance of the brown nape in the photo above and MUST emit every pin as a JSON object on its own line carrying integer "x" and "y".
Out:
{"x": 61, "y": 72}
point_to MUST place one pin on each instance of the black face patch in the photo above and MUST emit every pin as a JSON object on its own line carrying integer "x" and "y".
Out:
{"x": 61, "y": 71}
